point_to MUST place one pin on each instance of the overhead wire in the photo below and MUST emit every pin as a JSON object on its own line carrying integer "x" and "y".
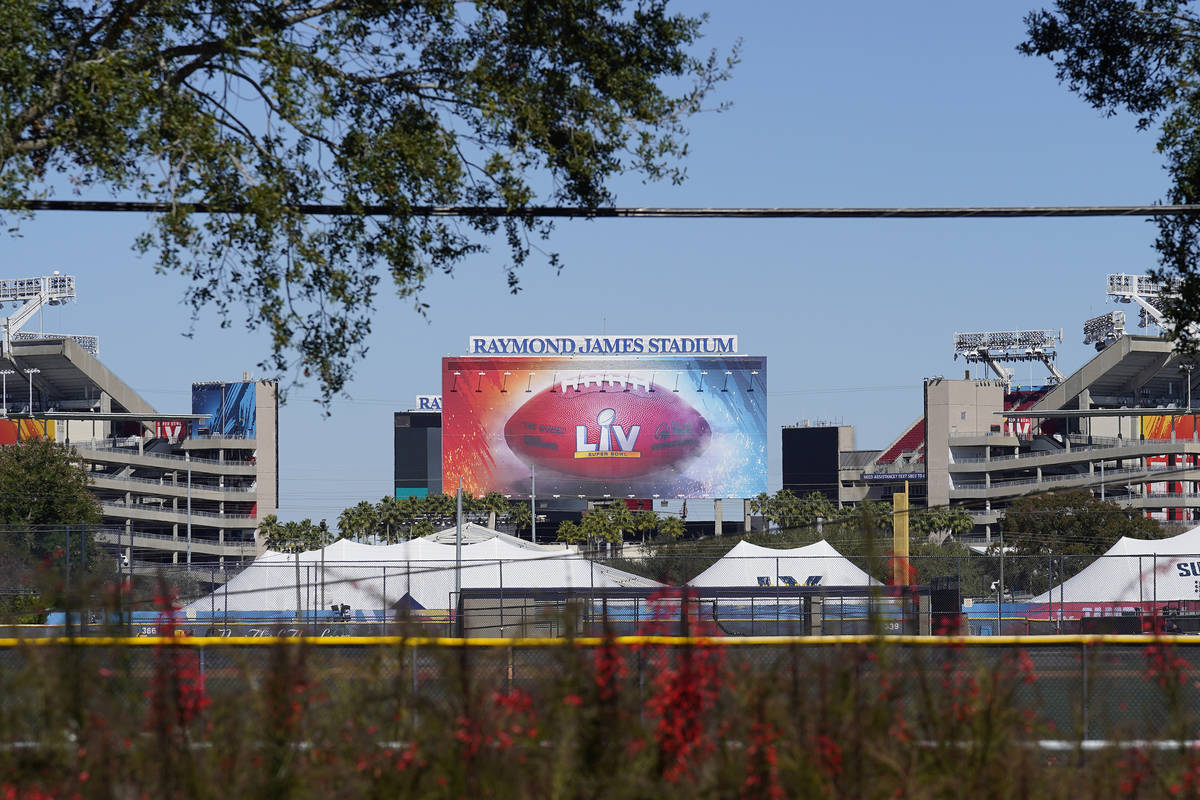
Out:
{"x": 627, "y": 212}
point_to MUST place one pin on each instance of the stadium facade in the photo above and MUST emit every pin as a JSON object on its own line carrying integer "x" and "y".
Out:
{"x": 173, "y": 487}
{"x": 1121, "y": 426}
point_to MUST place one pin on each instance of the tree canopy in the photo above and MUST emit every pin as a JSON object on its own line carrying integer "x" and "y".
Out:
{"x": 44, "y": 483}
{"x": 1050, "y": 537}
{"x": 257, "y": 108}
{"x": 1142, "y": 57}
{"x": 1071, "y": 523}
{"x": 294, "y": 537}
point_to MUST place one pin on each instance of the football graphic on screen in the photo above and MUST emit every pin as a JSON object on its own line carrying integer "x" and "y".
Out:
{"x": 607, "y": 428}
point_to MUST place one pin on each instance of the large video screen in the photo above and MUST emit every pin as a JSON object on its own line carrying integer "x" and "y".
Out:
{"x": 666, "y": 427}
{"x": 230, "y": 406}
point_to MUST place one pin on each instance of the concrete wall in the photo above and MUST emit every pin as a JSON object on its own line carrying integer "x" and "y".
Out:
{"x": 266, "y": 410}
{"x": 955, "y": 407}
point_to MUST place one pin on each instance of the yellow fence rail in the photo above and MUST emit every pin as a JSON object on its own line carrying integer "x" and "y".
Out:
{"x": 595, "y": 641}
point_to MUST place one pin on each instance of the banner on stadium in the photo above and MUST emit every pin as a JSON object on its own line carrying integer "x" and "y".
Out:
{"x": 611, "y": 428}
{"x": 22, "y": 430}
{"x": 230, "y": 407}
{"x": 1159, "y": 427}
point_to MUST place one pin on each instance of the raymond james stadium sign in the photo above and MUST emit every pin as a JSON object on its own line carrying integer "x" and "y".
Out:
{"x": 642, "y": 345}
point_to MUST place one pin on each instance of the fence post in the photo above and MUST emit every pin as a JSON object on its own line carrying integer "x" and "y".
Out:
{"x": 1062, "y": 579}
{"x": 413, "y": 652}
{"x": 385, "y": 603}
{"x": 68, "y": 530}
{"x": 778, "y": 599}
{"x": 212, "y": 602}
{"x": 1083, "y": 655}
{"x": 1050, "y": 590}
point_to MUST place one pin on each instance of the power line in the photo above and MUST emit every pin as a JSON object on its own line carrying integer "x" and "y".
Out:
{"x": 633, "y": 212}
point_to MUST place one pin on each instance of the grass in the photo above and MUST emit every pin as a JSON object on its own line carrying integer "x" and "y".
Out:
{"x": 871, "y": 718}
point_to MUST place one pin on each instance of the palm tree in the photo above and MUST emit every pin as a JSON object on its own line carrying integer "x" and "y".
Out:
{"x": 390, "y": 513}
{"x": 645, "y": 522}
{"x": 519, "y": 516}
{"x": 672, "y": 527}
{"x": 569, "y": 531}
{"x": 760, "y": 505}
{"x": 494, "y": 503}
{"x": 596, "y": 526}
{"x": 293, "y": 537}
{"x": 441, "y": 509}
{"x": 271, "y": 533}
{"x": 620, "y": 520}
{"x": 411, "y": 510}
{"x": 359, "y": 521}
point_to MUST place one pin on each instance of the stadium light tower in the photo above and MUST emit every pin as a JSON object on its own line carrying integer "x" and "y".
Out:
{"x": 995, "y": 348}
{"x": 34, "y": 294}
{"x": 1104, "y": 329}
{"x": 1148, "y": 294}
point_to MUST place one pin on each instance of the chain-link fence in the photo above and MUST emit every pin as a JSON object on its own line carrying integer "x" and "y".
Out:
{"x": 1069, "y": 688}
{"x": 642, "y": 716}
{"x": 987, "y": 594}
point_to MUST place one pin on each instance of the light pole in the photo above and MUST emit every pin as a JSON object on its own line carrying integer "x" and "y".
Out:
{"x": 458, "y": 522}
{"x": 31, "y": 371}
{"x": 4, "y": 373}
{"x": 1187, "y": 368}
{"x": 188, "y": 457}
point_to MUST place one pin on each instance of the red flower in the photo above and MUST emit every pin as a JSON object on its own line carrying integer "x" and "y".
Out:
{"x": 762, "y": 773}
{"x": 686, "y": 688}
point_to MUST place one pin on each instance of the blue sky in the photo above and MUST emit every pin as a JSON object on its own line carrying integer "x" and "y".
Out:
{"x": 876, "y": 104}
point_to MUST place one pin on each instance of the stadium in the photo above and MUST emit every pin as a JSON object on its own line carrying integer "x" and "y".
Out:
{"x": 175, "y": 487}
{"x": 184, "y": 495}
{"x": 571, "y": 424}
{"x": 1119, "y": 426}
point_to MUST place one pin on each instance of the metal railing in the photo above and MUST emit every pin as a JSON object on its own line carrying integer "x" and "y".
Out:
{"x": 177, "y": 512}
{"x": 182, "y": 485}
{"x": 104, "y": 446}
{"x": 1109, "y": 476}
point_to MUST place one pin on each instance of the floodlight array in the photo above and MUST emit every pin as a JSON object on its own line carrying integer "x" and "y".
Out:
{"x": 1150, "y": 296}
{"x": 51, "y": 289}
{"x": 1124, "y": 286}
{"x": 1104, "y": 328}
{"x": 90, "y": 344}
{"x": 1000, "y": 341}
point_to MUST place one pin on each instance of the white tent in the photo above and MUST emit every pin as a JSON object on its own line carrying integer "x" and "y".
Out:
{"x": 817, "y": 564}
{"x": 416, "y": 574}
{"x": 1136, "y": 571}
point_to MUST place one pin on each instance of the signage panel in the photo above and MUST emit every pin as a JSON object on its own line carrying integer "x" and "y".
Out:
{"x": 635, "y": 345}
{"x": 688, "y": 427}
{"x": 170, "y": 429}
{"x": 893, "y": 476}
{"x": 428, "y": 402}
